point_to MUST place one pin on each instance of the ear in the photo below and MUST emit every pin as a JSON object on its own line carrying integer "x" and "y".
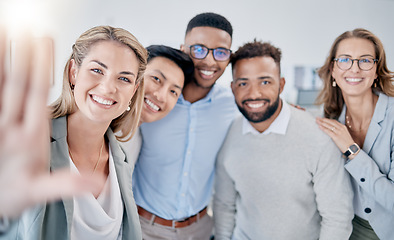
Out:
{"x": 282, "y": 82}
{"x": 182, "y": 48}
{"x": 72, "y": 72}
{"x": 232, "y": 84}
{"x": 332, "y": 69}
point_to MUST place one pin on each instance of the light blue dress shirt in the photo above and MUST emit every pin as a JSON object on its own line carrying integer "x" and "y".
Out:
{"x": 173, "y": 177}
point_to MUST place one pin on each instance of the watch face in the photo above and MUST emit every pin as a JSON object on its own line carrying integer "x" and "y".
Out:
{"x": 353, "y": 148}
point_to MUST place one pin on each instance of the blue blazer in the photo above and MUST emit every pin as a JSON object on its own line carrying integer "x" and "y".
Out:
{"x": 53, "y": 221}
{"x": 372, "y": 170}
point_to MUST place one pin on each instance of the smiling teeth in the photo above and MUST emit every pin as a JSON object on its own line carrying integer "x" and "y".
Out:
{"x": 255, "y": 105}
{"x": 102, "y": 100}
{"x": 152, "y": 105}
{"x": 353, "y": 79}
{"x": 208, "y": 73}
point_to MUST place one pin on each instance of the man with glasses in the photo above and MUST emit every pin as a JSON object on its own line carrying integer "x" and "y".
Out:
{"x": 174, "y": 174}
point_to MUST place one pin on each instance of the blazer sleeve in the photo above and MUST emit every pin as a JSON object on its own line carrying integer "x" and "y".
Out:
{"x": 370, "y": 178}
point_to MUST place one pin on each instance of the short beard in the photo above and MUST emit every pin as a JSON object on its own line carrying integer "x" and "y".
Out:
{"x": 260, "y": 116}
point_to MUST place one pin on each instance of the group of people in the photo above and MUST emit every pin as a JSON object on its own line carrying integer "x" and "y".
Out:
{"x": 142, "y": 140}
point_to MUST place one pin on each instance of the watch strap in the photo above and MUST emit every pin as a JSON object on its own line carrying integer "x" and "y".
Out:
{"x": 347, "y": 153}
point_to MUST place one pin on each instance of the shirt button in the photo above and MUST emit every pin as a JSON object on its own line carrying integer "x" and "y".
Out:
{"x": 185, "y": 174}
{"x": 367, "y": 210}
{"x": 182, "y": 194}
{"x": 362, "y": 179}
{"x": 191, "y": 129}
{"x": 188, "y": 152}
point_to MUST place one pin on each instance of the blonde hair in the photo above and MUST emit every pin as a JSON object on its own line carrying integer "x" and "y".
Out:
{"x": 332, "y": 97}
{"x": 65, "y": 104}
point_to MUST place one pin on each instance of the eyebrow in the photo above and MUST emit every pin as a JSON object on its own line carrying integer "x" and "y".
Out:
{"x": 258, "y": 78}
{"x": 365, "y": 55}
{"x": 208, "y": 47}
{"x": 105, "y": 66}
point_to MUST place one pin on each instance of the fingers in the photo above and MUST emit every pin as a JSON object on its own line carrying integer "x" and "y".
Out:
{"x": 35, "y": 120}
{"x": 329, "y": 126}
{"x": 15, "y": 85}
{"x": 3, "y": 46}
{"x": 63, "y": 184}
{"x": 41, "y": 75}
{"x": 337, "y": 131}
{"x": 24, "y": 191}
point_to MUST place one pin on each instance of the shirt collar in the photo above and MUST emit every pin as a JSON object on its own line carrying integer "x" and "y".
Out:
{"x": 208, "y": 98}
{"x": 278, "y": 126}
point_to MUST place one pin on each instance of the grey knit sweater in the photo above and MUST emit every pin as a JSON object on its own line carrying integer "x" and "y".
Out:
{"x": 274, "y": 187}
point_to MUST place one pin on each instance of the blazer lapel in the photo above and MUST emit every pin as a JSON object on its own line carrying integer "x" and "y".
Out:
{"x": 60, "y": 159}
{"x": 374, "y": 127}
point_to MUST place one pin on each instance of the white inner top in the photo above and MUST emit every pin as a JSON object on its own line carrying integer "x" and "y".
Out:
{"x": 99, "y": 218}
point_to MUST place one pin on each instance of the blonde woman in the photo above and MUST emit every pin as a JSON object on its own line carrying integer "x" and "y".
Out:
{"x": 358, "y": 92}
{"x": 102, "y": 94}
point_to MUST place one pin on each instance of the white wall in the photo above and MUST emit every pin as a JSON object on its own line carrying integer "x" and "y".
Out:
{"x": 303, "y": 29}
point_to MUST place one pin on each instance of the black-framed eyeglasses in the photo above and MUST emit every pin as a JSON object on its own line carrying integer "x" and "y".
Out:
{"x": 345, "y": 63}
{"x": 199, "y": 51}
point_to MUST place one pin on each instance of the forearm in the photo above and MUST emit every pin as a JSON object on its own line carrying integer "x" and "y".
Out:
{"x": 379, "y": 185}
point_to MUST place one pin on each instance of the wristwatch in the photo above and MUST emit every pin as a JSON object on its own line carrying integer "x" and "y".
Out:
{"x": 352, "y": 150}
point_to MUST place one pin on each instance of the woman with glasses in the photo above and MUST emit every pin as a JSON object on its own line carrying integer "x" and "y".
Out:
{"x": 359, "y": 117}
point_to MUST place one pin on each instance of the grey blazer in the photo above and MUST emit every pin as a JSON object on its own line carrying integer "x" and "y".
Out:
{"x": 53, "y": 221}
{"x": 372, "y": 170}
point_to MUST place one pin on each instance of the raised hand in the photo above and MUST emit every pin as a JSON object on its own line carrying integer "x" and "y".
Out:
{"x": 24, "y": 129}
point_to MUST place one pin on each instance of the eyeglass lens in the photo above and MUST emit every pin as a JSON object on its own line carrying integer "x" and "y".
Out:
{"x": 363, "y": 63}
{"x": 219, "y": 54}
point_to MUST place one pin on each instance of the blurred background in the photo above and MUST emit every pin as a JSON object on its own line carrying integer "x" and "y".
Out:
{"x": 303, "y": 29}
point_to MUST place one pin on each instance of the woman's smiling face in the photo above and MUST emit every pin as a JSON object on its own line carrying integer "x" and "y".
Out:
{"x": 354, "y": 81}
{"x": 106, "y": 81}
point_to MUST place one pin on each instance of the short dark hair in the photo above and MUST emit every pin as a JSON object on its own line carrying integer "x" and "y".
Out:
{"x": 178, "y": 57}
{"x": 257, "y": 49}
{"x": 210, "y": 19}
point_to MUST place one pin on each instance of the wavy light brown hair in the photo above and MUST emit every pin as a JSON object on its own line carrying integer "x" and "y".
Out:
{"x": 65, "y": 104}
{"x": 331, "y": 97}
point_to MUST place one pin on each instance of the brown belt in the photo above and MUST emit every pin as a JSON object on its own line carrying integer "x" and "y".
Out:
{"x": 171, "y": 223}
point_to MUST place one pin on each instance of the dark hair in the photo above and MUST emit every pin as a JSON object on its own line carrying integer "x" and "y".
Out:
{"x": 257, "y": 49}
{"x": 177, "y": 56}
{"x": 331, "y": 97}
{"x": 210, "y": 20}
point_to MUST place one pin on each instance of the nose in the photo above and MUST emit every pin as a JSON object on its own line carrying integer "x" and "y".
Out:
{"x": 160, "y": 94}
{"x": 355, "y": 67}
{"x": 254, "y": 91}
{"x": 209, "y": 59}
{"x": 108, "y": 84}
